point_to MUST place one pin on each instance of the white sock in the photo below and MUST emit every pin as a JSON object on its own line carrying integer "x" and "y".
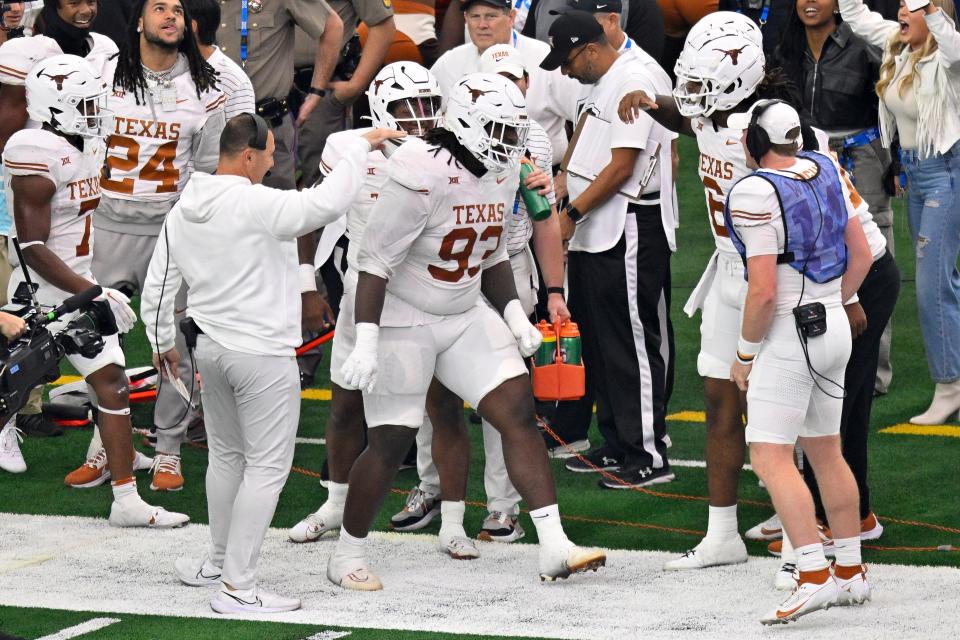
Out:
{"x": 95, "y": 443}
{"x": 337, "y": 494}
{"x": 787, "y": 554}
{"x": 451, "y": 518}
{"x": 722, "y": 523}
{"x": 847, "y": 551}
{"x": 811, "y": 558}
{"x": 349, "y": 546}
{"x": 125, "y": 491}
{"x": 549, "y": 528}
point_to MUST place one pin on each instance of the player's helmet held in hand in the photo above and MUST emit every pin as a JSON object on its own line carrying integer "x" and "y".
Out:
{"x": 65, "y": 92}
{"x": 487, "y": 113}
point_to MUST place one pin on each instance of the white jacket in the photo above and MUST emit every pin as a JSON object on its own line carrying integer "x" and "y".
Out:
{"x": 937, "y": 86}
{"x": 234, "y": 244}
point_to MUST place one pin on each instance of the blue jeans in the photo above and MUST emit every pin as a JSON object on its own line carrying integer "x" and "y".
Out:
{"x": 933, "y": 209}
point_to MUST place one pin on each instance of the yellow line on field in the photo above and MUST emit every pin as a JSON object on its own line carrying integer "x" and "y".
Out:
{"x": 315, "y": 394}
{"x": 918, "y": 430}
{"x": 688, "y": 416}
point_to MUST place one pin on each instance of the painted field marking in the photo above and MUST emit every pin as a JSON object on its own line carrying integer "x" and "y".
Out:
{"x": 311, "y": 441}
{"x": 919, "y": 430}
{"x": 688, "y": 416}
{"x": 329, "y": 635}
{"x": 80, "y": 629}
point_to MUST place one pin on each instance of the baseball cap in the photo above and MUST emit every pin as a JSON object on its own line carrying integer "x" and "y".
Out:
{"x": 778, "y": 120}
{"x": 569, "y": 31}
{"x": 502, "y": 58}
{"x": 597, "y": 6}
{"x": 499, "y": 4}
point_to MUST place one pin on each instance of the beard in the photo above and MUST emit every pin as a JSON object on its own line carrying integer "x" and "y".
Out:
{"x": 155, "y": 39}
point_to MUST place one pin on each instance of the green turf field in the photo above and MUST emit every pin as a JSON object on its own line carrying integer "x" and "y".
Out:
{"x": 914, "y": 479}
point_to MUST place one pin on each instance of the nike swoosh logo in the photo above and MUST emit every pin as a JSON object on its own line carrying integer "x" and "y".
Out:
{"x": 769, "y": 532}
{"x": 184, "y": 100}
{"x": 500, "y": 180}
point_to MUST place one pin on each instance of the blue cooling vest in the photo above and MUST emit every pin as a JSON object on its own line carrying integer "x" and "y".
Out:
{"x": 814, "y": 221}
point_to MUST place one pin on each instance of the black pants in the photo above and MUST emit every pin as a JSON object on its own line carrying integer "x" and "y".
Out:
{"x": 878, "y": 296}
{"x": 621, "y": 300}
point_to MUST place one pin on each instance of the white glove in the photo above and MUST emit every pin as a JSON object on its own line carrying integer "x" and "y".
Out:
{"x": 360, "y": 369}
{"x": 916, "y": 5}
{"x": 120, "y": 307}
{"x": 528, "y": 336}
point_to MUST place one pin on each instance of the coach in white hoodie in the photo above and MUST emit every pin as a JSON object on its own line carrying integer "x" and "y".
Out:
{"x": 233, "y": 241}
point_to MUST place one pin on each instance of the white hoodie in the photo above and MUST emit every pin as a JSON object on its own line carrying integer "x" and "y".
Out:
{"x": 234, "y": 244}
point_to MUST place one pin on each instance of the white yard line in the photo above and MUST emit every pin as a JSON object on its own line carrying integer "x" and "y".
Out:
{"x": 697, "y": 464}
{"x": 311, "y": 441}
{"x": 130, "y": 571}
{"x": 80, "y": 629}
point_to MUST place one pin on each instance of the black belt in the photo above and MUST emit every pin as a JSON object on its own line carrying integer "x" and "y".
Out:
{"x": 645, "y": 201}
{"x": 272, "y": 110}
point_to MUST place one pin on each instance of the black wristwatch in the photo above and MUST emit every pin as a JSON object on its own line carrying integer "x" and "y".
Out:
{"x": 559, "y": 290}
{"x": 317, "y": 92}
{"x": 573, "y": 213}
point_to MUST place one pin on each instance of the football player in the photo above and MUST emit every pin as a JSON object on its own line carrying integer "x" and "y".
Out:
{"x": 168, "y": 119}
{"x": 404, "y": 96}
{"x": 432, "y": 243}
{"x": 53, "y": 174}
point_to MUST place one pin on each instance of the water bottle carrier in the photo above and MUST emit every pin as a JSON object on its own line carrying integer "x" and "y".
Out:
{"x": 555, "y": 378}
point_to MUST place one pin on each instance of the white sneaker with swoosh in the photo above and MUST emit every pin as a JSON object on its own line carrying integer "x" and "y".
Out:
{"x": 251, "y": 601}
{"x": 197, "y": 573}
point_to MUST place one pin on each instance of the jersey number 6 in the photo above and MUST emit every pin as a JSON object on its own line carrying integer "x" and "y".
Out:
{"x": 159, "y": 168}
{"x": 448, "y": 252}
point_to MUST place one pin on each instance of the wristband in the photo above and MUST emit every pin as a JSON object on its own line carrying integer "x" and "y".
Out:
{"x": 307, "y": 276}
{"x": 574, "y": 214}
{"x": 748, "y": 350}
{"x": 559, "y": 290}
{"x": 317, "y": 92}
{"x": 742, "y": 359}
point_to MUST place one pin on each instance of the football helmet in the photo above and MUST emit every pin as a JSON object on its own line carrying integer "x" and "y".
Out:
{"x": 488, "y": 115}
{"x": 405, "y": 96}
{"x": 65, "y": 93}
{"x": 716, "y": 73}
{"x": 718, "y": 22}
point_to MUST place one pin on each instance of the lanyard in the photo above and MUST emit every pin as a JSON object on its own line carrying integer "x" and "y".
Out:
{"x": 629, "y": 44}
{"x": 764, "y": 11}
{"x": 243, "y": 32}
{"x": 514, "y": 39}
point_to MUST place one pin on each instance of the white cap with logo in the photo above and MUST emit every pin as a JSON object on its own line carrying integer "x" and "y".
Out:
{"x": 778, "y": 119}
{"x": 502, "y": 58}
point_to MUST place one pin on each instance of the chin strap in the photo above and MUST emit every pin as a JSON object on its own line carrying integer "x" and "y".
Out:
{"x": 446, "y": 139}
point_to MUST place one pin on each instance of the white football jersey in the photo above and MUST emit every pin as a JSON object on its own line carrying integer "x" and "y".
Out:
{"x": 373, "y": 182}
{"x": 433, "y": 230}
{"x": 17, "y": 56}
{"x": 722, "y": 162}
{"x": 76, "y": 176}
{"x": 151, "y": 146}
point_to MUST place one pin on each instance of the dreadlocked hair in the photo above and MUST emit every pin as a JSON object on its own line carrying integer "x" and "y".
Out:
{"x": 129, "y": 75}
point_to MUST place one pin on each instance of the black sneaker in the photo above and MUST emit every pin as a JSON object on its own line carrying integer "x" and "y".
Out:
{"x": 636, "y": 476}
{"x": 36, "y": 425}
{"x": 600, "y": 459}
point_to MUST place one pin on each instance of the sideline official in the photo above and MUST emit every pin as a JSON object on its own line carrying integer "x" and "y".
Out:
{"x": 246, "y": 312}
{"x": 619, "y": 258}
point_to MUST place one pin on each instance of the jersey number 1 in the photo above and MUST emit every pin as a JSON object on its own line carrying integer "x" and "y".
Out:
{"x": 159, "y": 168}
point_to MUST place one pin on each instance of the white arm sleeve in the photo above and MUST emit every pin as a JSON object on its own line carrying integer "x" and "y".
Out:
{"x": 396, "y": 221}
{"x": 159, "y": 291}
{"x": 755, "y": 212}
{"x": 206, "y": 143}
{"x": 946, "y": 35}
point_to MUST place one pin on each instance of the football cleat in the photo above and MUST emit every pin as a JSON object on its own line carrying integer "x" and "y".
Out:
{"x": 134, "y": 512}
{"x": 769, "y": 529}
{"x": 353, "y": 574}
{"x": 197, "y": 573}
{"x": 710, "y": 553}
{"x": 421, "y": 508}
{"x": 167, "y": 473}
{"x": 870, "y": 527}
{"x": 251, "y": 601}
{"x": 94, "y": 472}
{"x": 785, "y": 579}
{"x": 315, "y": 525}
{"x": 816, "y": 590}
{"x": 852, "y": 583}
{"x": 11, "y": 459}
{"x": 458, "y": 547}
{"x": 563, "y": 560}
{"x": 501, "y": 527}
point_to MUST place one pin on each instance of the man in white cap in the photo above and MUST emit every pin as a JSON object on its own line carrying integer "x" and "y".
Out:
{"x": 793, "y": 222}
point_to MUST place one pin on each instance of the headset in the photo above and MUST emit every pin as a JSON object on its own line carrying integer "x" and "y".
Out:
{"x": 758, "y": 141}
{"x": 259, "y": 139}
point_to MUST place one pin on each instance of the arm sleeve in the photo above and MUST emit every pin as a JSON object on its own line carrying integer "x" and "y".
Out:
{"x": 28, "y": 160}
{"x": 206, "y": 141}
{"x": 290, "y": 214}
{"x": 159, "y": 291}
{"x": 755, "y": 212}
{"x": 544, "y": 160}
{"x": 241, "y": 98}
{"x": 946, "y": 35}
{"x": 867, "y": 24}
{"x": 396, "y": 221}
{"x": 331, "y": 153}
{"x": 373, "y": 12}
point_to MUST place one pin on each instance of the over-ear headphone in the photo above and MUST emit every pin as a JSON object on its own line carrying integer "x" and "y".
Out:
{"x": 259, "y": 140}
{"x": 758, "y": 141}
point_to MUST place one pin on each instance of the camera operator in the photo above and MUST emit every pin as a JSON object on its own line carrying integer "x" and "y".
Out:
{"x": 794, "y": 223}
{"x": 244, "y": 318}
{"x": 53, "y": 173}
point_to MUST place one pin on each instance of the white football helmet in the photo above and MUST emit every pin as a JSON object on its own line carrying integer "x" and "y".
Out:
{"x": 488, "y": 115}
{"x": 717, "y": 73}
{"x": 405, "y": 96}
{"x": 64, "y": 92}
{"x": 713, "y": 24}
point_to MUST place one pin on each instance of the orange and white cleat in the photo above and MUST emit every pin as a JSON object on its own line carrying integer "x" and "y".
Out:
{"x": 353, "y": 574}
{"x": 167, "y": 473}
{"x": 562, "y": 561}
{"x": 870, "y": 527}
{"x": 94, "y": 471}
{"x": 816, "y": 590}
{"x": 853, "y": 584}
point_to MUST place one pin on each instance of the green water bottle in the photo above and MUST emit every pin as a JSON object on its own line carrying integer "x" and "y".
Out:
{"x": 570, "y": 346}
{"x": 547, "y": 352}
{"x": 538, "y": 207}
